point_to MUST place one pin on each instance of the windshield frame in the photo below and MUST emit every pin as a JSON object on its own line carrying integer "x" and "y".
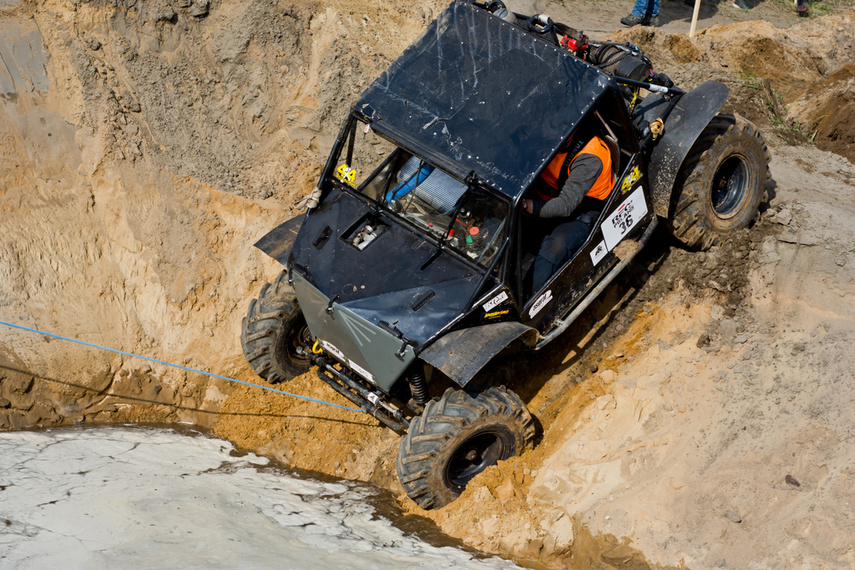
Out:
{"x": 342, "y": 152}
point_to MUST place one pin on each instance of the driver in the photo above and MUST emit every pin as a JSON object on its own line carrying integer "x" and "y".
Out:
{"x": 580, "y": 175}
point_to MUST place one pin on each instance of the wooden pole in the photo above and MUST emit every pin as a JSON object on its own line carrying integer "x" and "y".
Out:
{"x": 695, "y": 18}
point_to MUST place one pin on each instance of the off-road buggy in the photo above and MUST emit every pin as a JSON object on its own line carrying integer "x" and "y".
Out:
{"x": 411, "y": 263}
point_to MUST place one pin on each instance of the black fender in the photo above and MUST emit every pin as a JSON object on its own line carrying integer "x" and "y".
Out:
{"x": 278, "y": 242}
{"x": 462, "y": 353}
{"x": 684, "y": 124}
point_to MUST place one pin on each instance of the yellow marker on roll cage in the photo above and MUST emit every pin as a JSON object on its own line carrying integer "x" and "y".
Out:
{"x": 346, "y": 174}
{"x": 633, "y": 177}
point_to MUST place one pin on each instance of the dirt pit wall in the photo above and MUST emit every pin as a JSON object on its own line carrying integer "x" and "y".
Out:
{"x": 145, "y": 146}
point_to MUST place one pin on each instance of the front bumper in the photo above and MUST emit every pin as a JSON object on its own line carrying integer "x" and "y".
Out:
{"x": 367, "y": 349}
{"x": 369, "y": 402}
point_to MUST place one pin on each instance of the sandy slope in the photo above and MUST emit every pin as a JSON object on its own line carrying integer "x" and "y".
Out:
{"x": 713, "y": 430}
{"x": 144, "y": 146}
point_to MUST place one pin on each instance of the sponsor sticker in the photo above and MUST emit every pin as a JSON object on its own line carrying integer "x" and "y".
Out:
{"x": 361, "y": 371}
{"x": 631, "y": 178}
{"x": 495, "y": 301}
{"x": 619, "y": 222}
{"x": 599, "y": 252}
{"x": 328, "y": 346}
{"x": 541, "y": 302}
{"x": 496, "y": 314}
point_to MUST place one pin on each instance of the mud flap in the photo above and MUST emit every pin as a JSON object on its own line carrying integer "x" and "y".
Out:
{"x": 686, "y": 122}
{"x": 461, "y": 354}
{"x": 278, "y": 243}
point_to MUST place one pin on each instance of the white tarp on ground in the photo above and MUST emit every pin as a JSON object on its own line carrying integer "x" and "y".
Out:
{"x": 148, "y": 498}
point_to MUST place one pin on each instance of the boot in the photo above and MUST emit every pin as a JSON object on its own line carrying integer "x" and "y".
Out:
{"x": 632, "y": 20}
{"x": 648, "y": 20}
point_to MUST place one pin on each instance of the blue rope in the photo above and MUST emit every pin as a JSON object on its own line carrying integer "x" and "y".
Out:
{"x": 177, "y": 366}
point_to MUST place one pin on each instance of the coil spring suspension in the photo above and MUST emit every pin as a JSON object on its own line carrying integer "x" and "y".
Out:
{"x": 418, "y": 386}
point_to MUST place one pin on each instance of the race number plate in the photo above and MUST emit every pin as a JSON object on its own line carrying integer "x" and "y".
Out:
{"x": 622, "y": 220}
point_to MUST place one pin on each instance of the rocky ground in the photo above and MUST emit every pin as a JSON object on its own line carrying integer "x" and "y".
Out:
{"x": 700, "y": 415}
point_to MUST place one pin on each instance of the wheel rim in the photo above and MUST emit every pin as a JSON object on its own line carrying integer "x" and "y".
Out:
{"x": 475, "y": 454}
{"x": 730, "y": 186}
{"x": 299, "y": 341}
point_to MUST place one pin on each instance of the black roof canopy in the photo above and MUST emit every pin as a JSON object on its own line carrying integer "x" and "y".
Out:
{"x": 476, "y": 94}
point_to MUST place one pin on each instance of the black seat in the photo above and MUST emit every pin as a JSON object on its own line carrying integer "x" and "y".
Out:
{"x": 614, "y": 151}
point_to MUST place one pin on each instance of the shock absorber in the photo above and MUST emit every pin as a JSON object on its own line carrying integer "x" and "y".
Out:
{"x": 418, "y": 387}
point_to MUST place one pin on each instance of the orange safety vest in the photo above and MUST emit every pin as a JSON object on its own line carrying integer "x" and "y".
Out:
{"x": 604, "y": 183}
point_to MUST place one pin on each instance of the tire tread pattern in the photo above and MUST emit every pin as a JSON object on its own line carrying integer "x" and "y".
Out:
{"x": 692, "y": 220}
{"x": 447, "y": 422}
{"x": 273, "y": 314}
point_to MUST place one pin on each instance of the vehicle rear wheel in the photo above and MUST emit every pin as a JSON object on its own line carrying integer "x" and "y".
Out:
{"x": 456, "y": 438}
{"x": 721, "y": 183}
{"x": 274, "y": 335}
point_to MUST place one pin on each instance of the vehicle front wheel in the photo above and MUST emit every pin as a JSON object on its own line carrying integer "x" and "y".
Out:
{"x": 721, "y": 183}
{"x": 456, "y": 438}
{"x": 274, "y": 335}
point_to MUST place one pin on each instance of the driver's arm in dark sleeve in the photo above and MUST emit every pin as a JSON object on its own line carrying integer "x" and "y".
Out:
{"x": 583, "y": 173}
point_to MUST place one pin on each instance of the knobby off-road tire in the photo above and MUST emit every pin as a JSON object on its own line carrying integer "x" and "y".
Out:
{"x": 458, "y": 437}
{"x": 721, "y": 183}
{"x": 272, "y": 331}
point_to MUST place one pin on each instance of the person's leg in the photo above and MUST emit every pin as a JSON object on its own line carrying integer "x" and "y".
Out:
{"x": 645, "y": 13}
{"x": 640, "y": 8}
{"x": 651, "y": 13}
{"x": 557, "y": 248}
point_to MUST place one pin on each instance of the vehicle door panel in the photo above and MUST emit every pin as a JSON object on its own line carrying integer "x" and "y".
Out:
{"x": 627, "y": 211}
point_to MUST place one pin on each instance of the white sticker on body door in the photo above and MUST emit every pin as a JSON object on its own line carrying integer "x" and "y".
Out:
{"x": 495, "y": 301}
{"x": 599, "y": 252}
{"x": 541, "y": 302}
